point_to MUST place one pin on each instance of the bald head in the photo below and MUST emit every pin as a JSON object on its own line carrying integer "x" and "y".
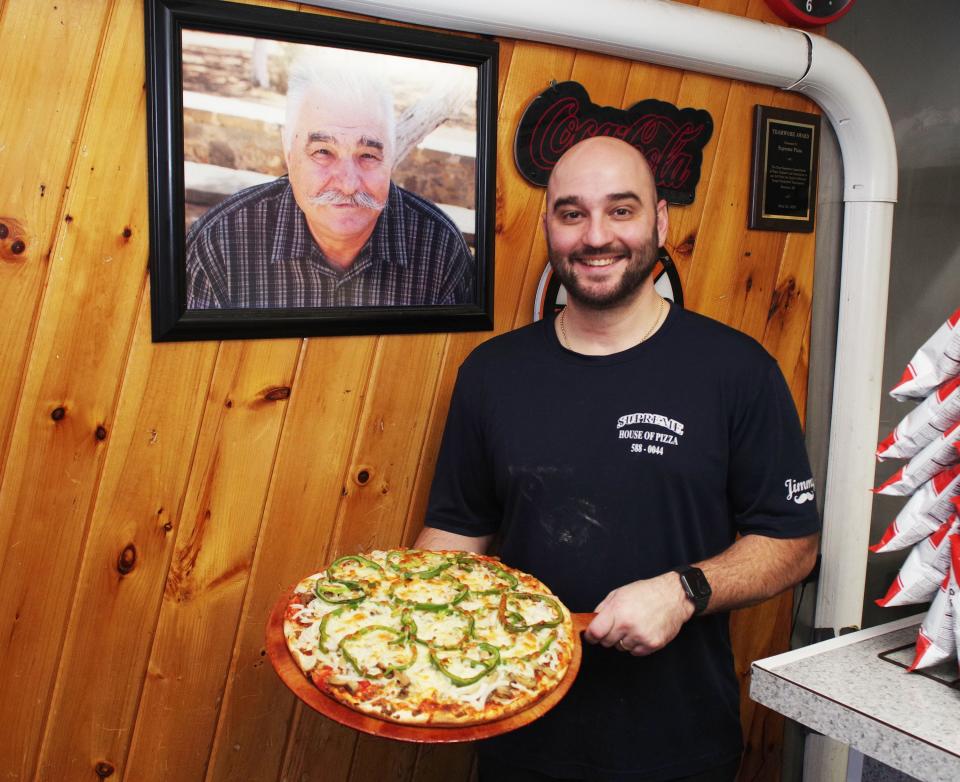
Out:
{"x": 601, "y": 157}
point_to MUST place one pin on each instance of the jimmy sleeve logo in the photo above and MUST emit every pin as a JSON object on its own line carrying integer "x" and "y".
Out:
{"x": 799, "y": 491}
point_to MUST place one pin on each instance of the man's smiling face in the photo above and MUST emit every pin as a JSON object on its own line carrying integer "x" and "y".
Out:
{"x": 603, "y": 222}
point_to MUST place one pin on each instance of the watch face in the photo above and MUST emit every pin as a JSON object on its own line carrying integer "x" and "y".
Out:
{"x": 697, "y": 582}
{"x": 810, "y": 13}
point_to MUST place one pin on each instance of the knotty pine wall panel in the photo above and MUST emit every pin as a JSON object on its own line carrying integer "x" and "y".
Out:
{"x": 155, "y": 500}
{"x": 57, "y": 46}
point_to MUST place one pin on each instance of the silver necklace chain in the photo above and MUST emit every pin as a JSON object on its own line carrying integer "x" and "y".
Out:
{"x": 653, "y": 326}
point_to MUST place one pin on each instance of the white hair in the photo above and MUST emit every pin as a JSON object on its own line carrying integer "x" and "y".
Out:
{"x": 343, "y": 77}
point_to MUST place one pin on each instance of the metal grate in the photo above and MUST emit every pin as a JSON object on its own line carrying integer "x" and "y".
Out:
{"x": 946, "y": 672}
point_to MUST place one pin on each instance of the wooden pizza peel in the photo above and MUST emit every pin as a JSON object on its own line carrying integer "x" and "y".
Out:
{"x": 291, "y": 675}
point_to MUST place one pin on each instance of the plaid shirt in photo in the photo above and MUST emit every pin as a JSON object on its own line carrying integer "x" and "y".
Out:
{"x": 255, "y": 250}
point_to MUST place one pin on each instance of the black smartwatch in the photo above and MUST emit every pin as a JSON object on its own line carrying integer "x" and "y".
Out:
{"x": 696, "y": 586}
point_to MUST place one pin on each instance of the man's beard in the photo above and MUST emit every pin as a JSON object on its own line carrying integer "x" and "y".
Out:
{"x": 337, "y": 198}
{"x": 640, "y": 265}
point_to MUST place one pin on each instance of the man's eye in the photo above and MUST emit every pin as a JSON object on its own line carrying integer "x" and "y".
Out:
{"x": 622, "y": 211}
{"x": 320, "y": 152}
{"x": 570, "y": 216}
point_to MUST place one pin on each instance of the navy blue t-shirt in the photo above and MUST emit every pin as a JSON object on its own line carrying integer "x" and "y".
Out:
{"x": 596, "y": 471}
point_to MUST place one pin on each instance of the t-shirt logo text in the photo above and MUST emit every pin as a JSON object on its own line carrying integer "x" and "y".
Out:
{"x": 650, "y": 418}
{"x": 654, "y": 441}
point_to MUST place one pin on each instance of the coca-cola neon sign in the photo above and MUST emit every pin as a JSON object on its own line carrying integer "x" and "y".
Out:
{"x": 671, "y": 139}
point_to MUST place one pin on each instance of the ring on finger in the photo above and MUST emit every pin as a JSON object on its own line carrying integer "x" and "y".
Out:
{"x": 621, "y": 647}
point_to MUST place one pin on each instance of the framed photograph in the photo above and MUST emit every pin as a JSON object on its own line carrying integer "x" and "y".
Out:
{"x": 312, "y": 175}
{"x": 783, "y": 187}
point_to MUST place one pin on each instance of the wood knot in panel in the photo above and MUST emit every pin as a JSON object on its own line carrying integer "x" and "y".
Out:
{"x": 127, "y": 559}
{"x": 180, "y": 583}
{"x": 13, "y": 240}
{"x": 104, "y": 769}
{"x": 686, "y": 246}
{"x": 58, "y": 413}
{"x": 783, "y": 297}
{"x": 362, "y": 475}
{"x": 100, "y": 433}
{"x": 277, "y": 393}
{"x": 167, "y": 525}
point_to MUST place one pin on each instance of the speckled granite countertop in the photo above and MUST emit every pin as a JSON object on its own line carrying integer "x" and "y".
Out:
{"x": 844, "y": 689}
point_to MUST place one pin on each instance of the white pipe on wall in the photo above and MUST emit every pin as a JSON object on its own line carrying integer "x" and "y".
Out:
{"x": 695, "y": 39}
{"x": 841, "y": 86}
{"x": 661, "y": 31}
{"x": 864, "y": 278}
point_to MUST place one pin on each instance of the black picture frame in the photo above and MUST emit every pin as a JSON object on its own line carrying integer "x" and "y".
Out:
{"x": 783, "y": 182}
{"x": 165, "y": 21}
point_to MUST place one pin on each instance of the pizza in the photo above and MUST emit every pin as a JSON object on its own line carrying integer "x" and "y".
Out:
{"x": 429, "y": 637}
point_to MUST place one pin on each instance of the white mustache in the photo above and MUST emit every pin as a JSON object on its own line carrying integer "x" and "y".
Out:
{"x": 338, "y": 198}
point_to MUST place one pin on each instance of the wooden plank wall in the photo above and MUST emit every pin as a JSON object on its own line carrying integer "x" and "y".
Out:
{"x": 156, "y": 499}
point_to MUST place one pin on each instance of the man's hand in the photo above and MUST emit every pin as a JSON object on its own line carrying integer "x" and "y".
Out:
{"x": 641, "y": 617}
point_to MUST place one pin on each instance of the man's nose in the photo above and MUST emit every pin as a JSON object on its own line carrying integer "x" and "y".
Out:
{"x": 346, "y": 177}
{"x": 597, "y": 233}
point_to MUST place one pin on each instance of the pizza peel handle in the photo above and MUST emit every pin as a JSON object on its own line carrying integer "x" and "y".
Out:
{"x": 291, "y": 675}
{"x": 581, "y": 622}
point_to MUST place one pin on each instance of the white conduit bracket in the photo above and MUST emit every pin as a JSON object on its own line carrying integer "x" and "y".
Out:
{"x": 695, "y": 39}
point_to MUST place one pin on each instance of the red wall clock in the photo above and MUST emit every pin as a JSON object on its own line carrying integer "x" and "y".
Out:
{"x": 810, "y": 13}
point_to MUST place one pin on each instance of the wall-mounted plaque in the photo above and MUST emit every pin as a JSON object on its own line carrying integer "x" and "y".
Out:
{"x": 783, "y": 192}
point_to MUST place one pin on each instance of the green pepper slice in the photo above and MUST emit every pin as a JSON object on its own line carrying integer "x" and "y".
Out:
{"x": 433, "y": 563}
{"x": 339, "y": 592}
{"x": 324, "y": 632}
{"x": 514, "y": 620}
{"x": 409, "y": 623}
{"x": 508, "y": 580}
{"x": 486, "y": 666}
{"x": 400, "y": 639}
{"x": 461, "y": 592}
{"x": 334, "y": 574}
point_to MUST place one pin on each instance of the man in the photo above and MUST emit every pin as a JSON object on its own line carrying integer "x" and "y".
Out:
{"x": 336, "y": 232}
{"x": 607, "y": 449}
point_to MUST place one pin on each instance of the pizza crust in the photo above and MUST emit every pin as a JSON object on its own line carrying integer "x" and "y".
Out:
{"x": 429, "y": 638}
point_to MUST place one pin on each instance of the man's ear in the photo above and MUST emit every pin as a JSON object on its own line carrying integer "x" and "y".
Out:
{"x": 663, "y": 222}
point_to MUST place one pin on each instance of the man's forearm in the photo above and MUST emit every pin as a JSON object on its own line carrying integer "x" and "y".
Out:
{"x": 756, "y": 568}
{"x": 644, "y": 616}
{"x": 438, "y": 540}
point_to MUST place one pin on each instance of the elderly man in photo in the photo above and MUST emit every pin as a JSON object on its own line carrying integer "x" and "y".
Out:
{"x": 335, "y": 232}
